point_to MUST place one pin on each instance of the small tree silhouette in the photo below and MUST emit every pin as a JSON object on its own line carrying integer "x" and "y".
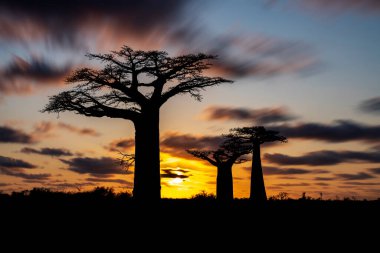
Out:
{"x": 224, "y": 158}
{"x": 133, "y": 85}
{"x": 255, "y": 136}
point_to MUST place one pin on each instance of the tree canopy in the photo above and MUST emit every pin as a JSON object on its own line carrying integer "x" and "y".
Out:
{"x": 131, "y": 81}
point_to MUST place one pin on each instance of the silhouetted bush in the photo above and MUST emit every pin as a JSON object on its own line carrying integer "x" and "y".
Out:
{"x": 203, "y": 195}
{"x": 305, "y": 197}
{"x": 124, "y": 195}
{"x": 280, "y": 196}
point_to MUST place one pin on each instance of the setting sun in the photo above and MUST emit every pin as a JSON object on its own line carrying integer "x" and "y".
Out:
{"x": 175, "y": 181}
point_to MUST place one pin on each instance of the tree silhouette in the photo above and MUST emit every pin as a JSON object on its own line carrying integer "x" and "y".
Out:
{"x": 133, "y": 85}
{"x": 255, "y": 136}
{"x": 224, "y": 158}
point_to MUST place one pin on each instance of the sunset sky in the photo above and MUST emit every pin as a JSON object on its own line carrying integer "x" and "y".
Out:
{"x": 307, "y": 68}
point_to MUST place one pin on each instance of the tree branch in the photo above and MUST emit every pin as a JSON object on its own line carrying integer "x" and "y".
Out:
{"x": 85, "y": 104}
{"x": 203, "y": 155}
{"x": 193, "y": 86}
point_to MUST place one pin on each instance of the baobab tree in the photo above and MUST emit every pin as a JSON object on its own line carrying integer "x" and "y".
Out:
{"x": 228, "y": 154}
{"x": 133, "y": 85}
{"x": 255, "y": 136}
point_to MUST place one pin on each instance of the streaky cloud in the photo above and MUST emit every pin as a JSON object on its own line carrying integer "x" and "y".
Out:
{"x": 77, "y": 130}
{"x": 339, "y": 131}
{"x": 47, "y": 151}
{"x": 258, "y": 116}
{"x": 375, "y": 170}
{"x": 324, "y": 158}
{"x": 122, "y": 145}
{"x": 176, "y": 143}
{"x": 363, "y": 7}
{"x": 173, "y": 173}
{"x": 357, "y": 176}
{"x": 102, "y": 167}
{"x": 8, "y": 162}
{"x": 109, "y": 180}
{"x": 371, "y": 105}
{"x": 35, "y": 20}
{"x": 290, "y": 171}
{"x": 21, "y": 174}
{"x": 21, "y": 76}
{"x": 292, "y": 184}
{"x": 11, "y": 135}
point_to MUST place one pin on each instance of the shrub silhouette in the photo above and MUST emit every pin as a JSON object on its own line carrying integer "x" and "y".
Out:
{"x": 203, "y": 195}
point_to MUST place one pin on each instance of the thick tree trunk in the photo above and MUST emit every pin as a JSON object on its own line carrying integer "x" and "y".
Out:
{"x": 224, "y": 183}
{"x": 147, "y": 185}
{"x": 258, "y": 192}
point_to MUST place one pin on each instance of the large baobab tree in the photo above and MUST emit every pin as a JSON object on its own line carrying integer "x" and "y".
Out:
{"x": 255, "y": 136}
{"x": 228, "y": 154}
{"x": 133, "y": 85}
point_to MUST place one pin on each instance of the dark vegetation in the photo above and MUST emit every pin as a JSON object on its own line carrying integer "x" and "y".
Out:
{"x": 107, "y": 198}
{"x": 105, "y": 215}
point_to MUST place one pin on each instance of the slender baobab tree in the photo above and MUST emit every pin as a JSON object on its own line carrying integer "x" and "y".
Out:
{"x": 255, "y": 136}
{"x": 228, "y": 154}
{"x": 133, "y": 85}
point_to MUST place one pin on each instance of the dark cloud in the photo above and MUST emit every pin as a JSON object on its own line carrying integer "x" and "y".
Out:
{"x": 371, "y": 105}
{"x": 173, "y": 143}
{"x": 376, "y": 147}
{"x": 331, "y": 6}
{"x": 15, "y": 168}
{"x": 173, "y": 173}
{"x": 375, "y": 170}
{"x": 4, "y": 184}
{"x": 127, "y": 144}
{"x": 177, "y": 143}
{"x": 259, "y": 116}
{"x": 109, "y": 180}
{"x": 97, "y": 167}
{"x": 324, "y": 178}
{"x": 357, "y": 176}
{"x": 322, "y": 184}
{"x": 290, "y": 171}
{"x": 115, "y": 19}
{"x": 288, "y": 177}
{"x": 61, "y": 186}
{"x": 11, "y": 135}
{"x": 181, "y": 170}
{"x": 247, "y": 55}
{"x": 187, "y": 141}
{"x": 364, "y": 6}
{"x": 324, "y": 157}
{"x": 47, "y": 151}
{"x": 151, "y": 23}
{"x": 21, "y": 174}
{"x": 8, "y": 162}
{"x": 362, "y": 183}
{"x": 23, "y": 77}
{"x": 292, "y": 185}
{"x": 340, "y": 131}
